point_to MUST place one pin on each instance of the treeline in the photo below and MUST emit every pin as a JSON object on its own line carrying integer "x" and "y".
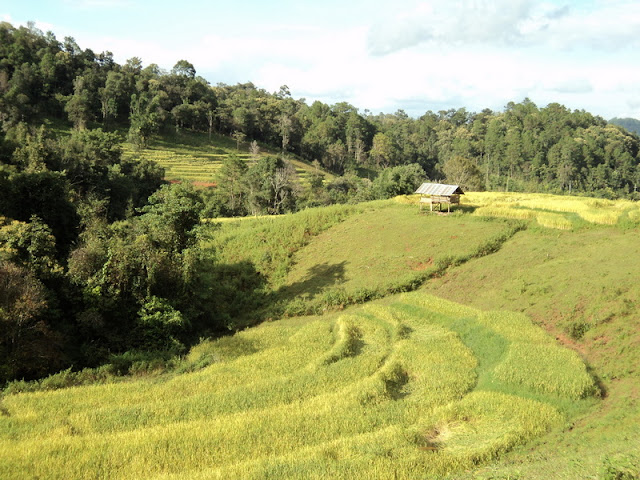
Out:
{"x": 523, "y": 148}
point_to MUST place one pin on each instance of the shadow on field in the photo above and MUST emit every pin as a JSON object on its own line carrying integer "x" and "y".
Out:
{"x": 442, "y": 210}
{"x": 466, "y": 208}
{"x": 317, "y": 279}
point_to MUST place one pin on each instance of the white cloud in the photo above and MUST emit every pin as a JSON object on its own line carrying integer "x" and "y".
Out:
{"x": 150, "y": 51}
{"x": 44, "y": 26}
{"x": 509, "y": 23}
{"x": 461, "y": 22}
{"x": 634, "y": 105}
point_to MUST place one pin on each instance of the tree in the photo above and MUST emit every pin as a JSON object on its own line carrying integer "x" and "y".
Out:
{"x": 32, "y": 246}
{"x": 462, "y": 171}
{"x": 513, "y": 153}
{"x": 184, "y": 68}
{"x": 29, "y": 348}
{"x": 494, "y": 146}
{"x": 140, "y": 276}
{"x": 400, "y": 180}
{"x": 285, "y": 130}
{"x": 230, "y": 185}
{"x": 335, "y": 157}
{"x": 239, "y": 136}
{"x": 144, "y": 120}
{"x": 47, "y": 195}
{"x": 282, "y": 187}
{"x": 79, "y": 105}
{"x": 254, "y": 150}
{"x": 269, "y": 186}
{"x": 111, "y": 95}
{"x": 174, "y": 211}
{"x": 382, "y": 152}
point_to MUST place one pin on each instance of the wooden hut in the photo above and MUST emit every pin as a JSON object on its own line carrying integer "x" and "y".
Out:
{"x": 439, "y": 193}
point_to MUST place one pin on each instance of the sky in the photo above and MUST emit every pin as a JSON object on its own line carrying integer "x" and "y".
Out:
{"x": 377, "y": 55}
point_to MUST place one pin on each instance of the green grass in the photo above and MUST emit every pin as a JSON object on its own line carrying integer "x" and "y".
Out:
{"x": 370, "y": 251}
{"x": 270, "y": 242}
{"x": 383, "y": 246}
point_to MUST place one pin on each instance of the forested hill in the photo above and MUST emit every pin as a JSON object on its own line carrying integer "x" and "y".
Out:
{"x": 523, "y": 147}
{"x": 631, "y": 124}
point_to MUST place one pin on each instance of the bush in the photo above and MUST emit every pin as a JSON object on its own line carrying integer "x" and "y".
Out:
{"x": 132, "y": 363}
{"x": 577, "y": 329}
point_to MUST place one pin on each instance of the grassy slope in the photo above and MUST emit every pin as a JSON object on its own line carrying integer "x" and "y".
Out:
{"x": 570, "y": 282}
{"x": 383, "y": 248}
{"x": 581, "y": 285}
{"x": 379, "y": 247}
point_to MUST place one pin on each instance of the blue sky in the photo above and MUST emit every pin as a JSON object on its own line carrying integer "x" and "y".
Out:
{"x": 377, "y": 55}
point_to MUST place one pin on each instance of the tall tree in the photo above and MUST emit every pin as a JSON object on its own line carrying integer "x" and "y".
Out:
{"x": 230, "y": 185}
{"x": 382, "y": 152}
{"x": 79, "y": 105}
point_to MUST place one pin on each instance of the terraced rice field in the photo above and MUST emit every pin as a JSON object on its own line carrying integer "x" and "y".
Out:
{"x": 409, "y": 388}
{"x": 192, "y": 158}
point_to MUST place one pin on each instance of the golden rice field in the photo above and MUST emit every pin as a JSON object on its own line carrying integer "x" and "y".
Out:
{"x": 553, "y": 211}
{"x": 413, "y": 387}
{"x": 186, "y": 167}
{"x": 199, "y": 162}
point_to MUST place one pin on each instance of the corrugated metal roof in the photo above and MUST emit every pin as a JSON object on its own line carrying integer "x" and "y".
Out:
{"x": 439, "y": 189}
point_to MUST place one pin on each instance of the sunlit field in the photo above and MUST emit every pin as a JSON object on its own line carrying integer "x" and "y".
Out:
{"x": 413, "y": 387}
{"x": 553, "y": 211}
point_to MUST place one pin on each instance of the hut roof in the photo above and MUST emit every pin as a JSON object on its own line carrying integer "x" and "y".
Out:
{"x": 439, "y": 189}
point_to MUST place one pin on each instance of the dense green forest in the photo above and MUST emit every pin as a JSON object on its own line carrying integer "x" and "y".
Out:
{"x": 99, "y": 256}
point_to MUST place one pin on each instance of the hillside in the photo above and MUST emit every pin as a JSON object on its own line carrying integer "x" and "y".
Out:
{"x": 631, "y": 124}
{"x": 386, "y": 391}
{"x": 407, "y": 386}
{"x": 196, "y": 157}
{"x": 189, "y": 155}
{"x": 137, "y": 308}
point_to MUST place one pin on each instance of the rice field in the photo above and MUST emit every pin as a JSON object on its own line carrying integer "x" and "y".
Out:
{"x": 413, "y": 387}
{"x": 553, "y": 211}
{"x": 186, "y": 166}
{"x": 191, "y": 157}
